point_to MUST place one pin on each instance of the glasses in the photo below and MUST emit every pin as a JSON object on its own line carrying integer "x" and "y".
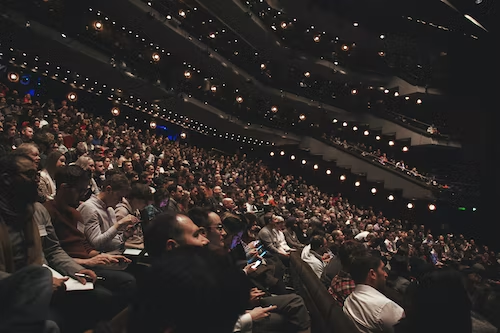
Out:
{"x": 218, "y": 227}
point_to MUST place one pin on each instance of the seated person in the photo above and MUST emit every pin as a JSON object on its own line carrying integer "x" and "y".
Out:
{"x": 169, "y": 231}
{"x": 102, "y": 230}
{"x": 139, "y": 197}
{"x": 312, "y": 254}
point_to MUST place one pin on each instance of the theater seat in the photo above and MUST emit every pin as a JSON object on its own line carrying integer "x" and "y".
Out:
{"x": 326, "y": 315}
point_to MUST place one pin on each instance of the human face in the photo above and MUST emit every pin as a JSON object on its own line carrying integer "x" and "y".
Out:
{"x": 75, "y": 194}
{"x": 107, "y": 162}
{"x": 127, "y": 166}
{"x": 215, "y": 233}
{"x": 12, "y": 131}
{"x": 99, "y": 167}
{"x": 192, "y": 235}
{"x": 149, "y": 179}
{"x": 380, "y": 277}
{"x": 28, "y": 132}
{"x": 91, "y": 166}
{"x": 177, "y": 195}
{"x": 113, "y": 198}
{"x": 34, "y": 154}
{"x": 61, "y": 161}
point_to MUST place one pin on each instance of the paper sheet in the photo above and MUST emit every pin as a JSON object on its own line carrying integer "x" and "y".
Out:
{"x": 132, "y": 252}
{"x": 71, "y": 284}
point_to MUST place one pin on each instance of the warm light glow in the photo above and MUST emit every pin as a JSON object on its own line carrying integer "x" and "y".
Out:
{"x": 187, "y": 74}
{"x": 374, "y": 190}
{"x": 328, "y": 172}
{"x": 381, "y": 53}
{"x": 292, "y": 157}
{"x": 13, "y": 77}
{"x": 409, "y": 205}
{"x": 97, "y": 25}
{"x": 345, "y": 47}
{"x": 182, "y": 13}
{"x": 283, "y": 25}
{"x": 315, "y": 167}
{"x": 432, "y": 207}
{"x": 405, "y": 149}
{"x": 391, "y": 143}
{"x": 115, "y": 111}
{"x": 156, "y": 57}
{"x": 274, "y": 109}
{"x": 239, "y": 99}
{"x": 303, "y": 162}
{"x": 169, "y": 17}
{"x": 152, "y": 124}
{"x": 357, "y": 184}
{"x": 355, "y": 24}
{"x": 354, "y": 91}
{"x": 282, "y": 153}
{"x": 344, "y": 124}
{"x": 302, "y": 117}
{"x": 334, "y": 121}
{"x": 407, "y": 97}
{"x": 183, "y": 135}
{"x": 355, "y": 128}
{"x": 419, "y": 101}
{"x": 390, "y": 197}
{"x": 271, "y": 153}
{"x": 213, "y": 89}
{"x": 262, "y": 66}
{"x": 396, "y": 94}
{"x": 342, "y": 177}
{"x": 386, "y": 91}
{"x": 316, "y": 39}
{"x": 307, "y": 74}
{"x": 72, "y": 97}
{"x": 377, "y": 137}
{"x": 366, "y": 133}
{"x": 382, "y": 36}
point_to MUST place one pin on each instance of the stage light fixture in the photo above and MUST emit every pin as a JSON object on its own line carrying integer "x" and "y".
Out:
{"x": 396, "y": 94}
{"x": 391, "y": 143}
{"x": 345, "y": 48}
{"x": 213, "y": 89}
{"x": 307, "y": 74}
{"x": 302, "y": 117}
{"x": 355, "y": 128}
{"x": 366, "y": 133}
{"x": 274, "y": 109}
{"x": 373, "y": 190}
{"x": 354, "y": 91}
{"x": 97, "y": 25}
{"x": 271, "y": 153}
{"x": 282, "y": 153}
{"x": 115, "y": 111}
{"x": 410, "y": 205}
{"x": 407, "y": 98}
{"x": 386, "y": 91}
{"x": 381, "y": 53}
{"x": 155, "y": 57}
{"x": 239, "y": 99}
{"x": 304, "y": 162}
{"x": 390, "y": 197}
{"x": 342, "y": 177}
{"x": 419, "y": 101}
{"x": 292, "y": 157}
{"x": 263, "y": 66}
{"x": 283, "y": 25}
{"x": 183, "y": 135}
{"x": 405, "y": 149}
{"x": 382, "y": 36}
{"x": 357, "y": 184}
{"x": 377, "y": 137}
{"x": 432, "y": 207}
{"x": 13, "y": 77}
{"x": 317, "y": 39}
{"x": 182, "y": 13}
{"x": 328, "y": 172}
{"x": 334, "y": 121}
{"x": 152, "y": 124}
{"x": 344, "y": 124}
{"x": 212, "y": 35}
{"x": 72, "y": 97}
{"x": 356, "y": 24}
{"x": 315, "y": 167}
{"x": 187, "y": 74}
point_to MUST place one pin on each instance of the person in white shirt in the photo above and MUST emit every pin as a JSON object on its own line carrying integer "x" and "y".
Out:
{"x": 366, "y": 306}
{"x": 280, "y": 226}
{"x": 312, "y": 254}
{"x": 362, "y": 235}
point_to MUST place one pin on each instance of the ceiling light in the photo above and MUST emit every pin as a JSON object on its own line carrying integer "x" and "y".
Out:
{"x": 262, "y": 66}
{"x": 354, "y": 91}
{"x": 292, "y": 157}
{"x": 213, "y": 89}
{"x": 212, "y": 35}
{"x": 342, "y": 177}
{"x": 72, "y": 97}
{"x": 357, "y": 184}
{"x": 169, "y": 17}
{"x": 410, "y": 205}
{"x": 344, "y": 124}
{"x": 381, "y": 53}
{"x": 390, "y": 197}
{"x": 97, "y": 25}
{"x": 274, "y": 109}
{"x": 432, "y": 207}
{"x": 407, "y": 98}
{"x": 473, "y": 20}
{"x": 315, "y": 167}
{"x": 304, "y": 162}
{"x": 382, "y": 36}
{"x": 391, "y": 143}
{"x": 13, "y": 77}
{"x": 419, "y": 101}
{"x": 282, "y": 153}
{"x": 316, "y": 39}
{"x": 239, "y": 99}
{"x": 373, "y": 190}
{"x": 115, "y": 111}
{"x": 187, "y": 74}
{"x": 355, "y": 128}
{"x": 152, "y": 124}
{"x": 302, "y": 117}
{"x": 307, "y": 74}
{"x": 271, "y": 153}
{"x": 182, "y": 13}
{"x": 386, "y": 91}
{"x": 183, "y": 135}
{"x": 156, "y": 57}
{"x": 345, "y": 47}
{"x": 377, "y": 137}
{"x": 396, "y": 94}
{"x": 355, "y": 24}
{"x": 328, "y": 172}
{"x": 405, "y": 149}
{"x": 366, "y": 133}
{"x": 334, "y": 121}
{"x": 283, "y": 25}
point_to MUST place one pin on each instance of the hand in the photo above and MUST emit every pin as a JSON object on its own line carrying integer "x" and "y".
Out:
{"x": 249, "y": 268}
{"x": 259, "y": 313}
{"x": 58, "y": 284}
{"x": 255, "y": 295}
{"x": 126, "y": 221}
{"x": 129, "y": 232}
{"x": 87, "y": 272}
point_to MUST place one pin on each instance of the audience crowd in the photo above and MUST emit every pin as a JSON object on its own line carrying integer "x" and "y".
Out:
{"x": 168, "y": 237}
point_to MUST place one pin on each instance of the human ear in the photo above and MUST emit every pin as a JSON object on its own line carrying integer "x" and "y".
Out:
{"x": 171, "y": 244}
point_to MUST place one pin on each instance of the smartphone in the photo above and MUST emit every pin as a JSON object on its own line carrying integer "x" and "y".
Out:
{"x": 257, "y": 263}
{"x": 263, "y": 253}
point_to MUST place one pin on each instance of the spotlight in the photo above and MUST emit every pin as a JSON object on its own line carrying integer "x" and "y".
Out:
{"x": 419, "y": 101}
{"x": 405, "y": 149}
{"x": 315, "y": 167}
{"x": 386, "y": 91}
{"x": 354, "y": 91}
{"x": 381, "y": 53}
{"x": 212, "y": 35}
{"x": 307, "y": 74}
{"x": 390, "y": 197}
{"x": 302, "y": 117}
{"x": 152, "y": 124}
{"x": 169, "y": 17}
{"x": 97, "y": 25}
{"x": 366, "y": 133}
{"x": 263, "y": 66}
{"x": 271, "y": 153}
{"x": 377, "y": 137}
{"x": 328, "y": 172}
{"x": 13, "y": 77}
{"x": 432, "y": 207}
{"x": 304, "y": 162}
{"x": 292, "y": 157}
{"x": 373, "y": 190}
{"x": 382, "y": 36}
{"x": 345, "y": 47}
{"x": 407, "y": 98}
{"x": 213, "y": 89}
{"x": 409, "y": 205}
{"x": 282, "y": 153}
{"x": 239, "y": 99}
{"x": 156, "y": 57}
{"x": 274, "y": 109}
{"x": 316, "y": 39}
{"x": 187, "y": 74}
{"x": 357, "y": 184}
{"x": 115, "y": 111}
{"x": 334, "y": 121}
{"x": 355, "y": 128}
{"x": 182, "y": 13}
{"x": 344, "y": 124}
{"x": 283, "y": 25}
{"x": 355, "y": 24}
{"x": 342, "y": 177}
{"x": 183, "y": 135}
{"x": 474, "y": 209}
{"x": 396, "y": 94}
{"x": 391, "y": 143}
{"x": 72, "y": 97}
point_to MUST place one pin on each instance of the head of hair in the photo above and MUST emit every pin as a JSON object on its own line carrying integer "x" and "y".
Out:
{"x": 25, "y": 148}
{"x": 51, "y": 162}
{"x": 117, "y": 182}
{"x": 233, "y": 224}
{"x": 362, "y": 265}
{"x": 162, "y": 228}
{"x": 71, "y": 175}
{"x": 83, "y": 162}
{"x": 348, "y": 251}
{"x": 140, "y": 192}
{"x": 172, "y": 188}
{"x": 199, "y": 216}
{"x": 189, "y": 281}
{"x": 317, "y": 242}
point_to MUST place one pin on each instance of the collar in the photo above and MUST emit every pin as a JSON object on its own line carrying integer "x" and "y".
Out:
{"x": 98, "y": 201}
{"x": 364, "y": 288}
